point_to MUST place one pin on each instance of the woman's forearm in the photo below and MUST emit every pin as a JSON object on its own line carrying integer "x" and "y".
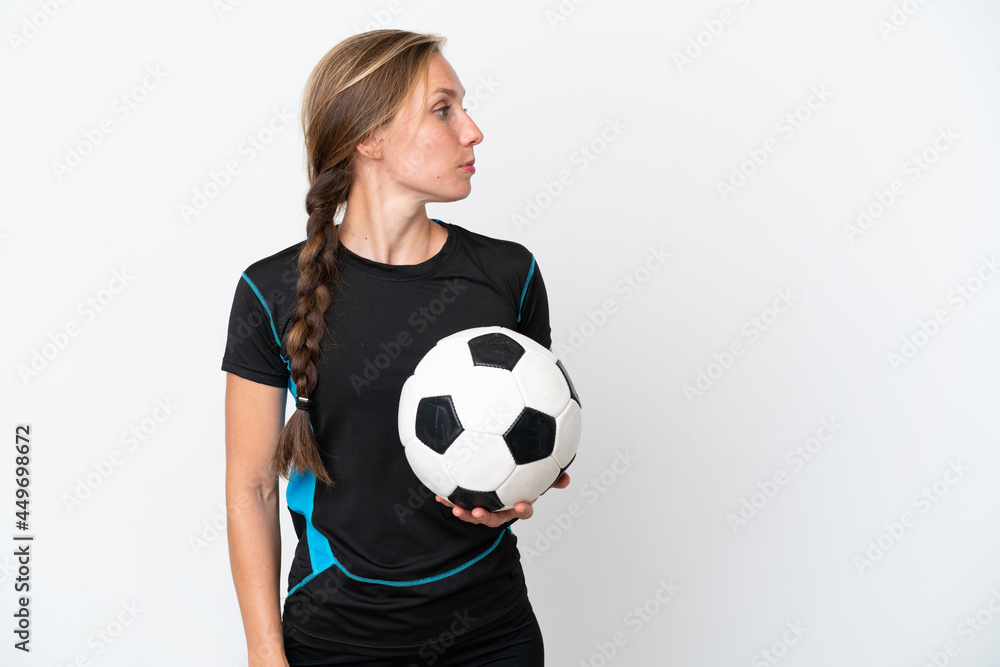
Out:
{"x": 255, "y": 558}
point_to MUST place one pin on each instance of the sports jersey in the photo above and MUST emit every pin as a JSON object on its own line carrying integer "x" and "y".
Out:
{"x": 380, "y": 567}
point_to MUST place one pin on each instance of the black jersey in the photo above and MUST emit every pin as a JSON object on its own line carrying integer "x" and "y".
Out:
{"x": 380, "y": 565}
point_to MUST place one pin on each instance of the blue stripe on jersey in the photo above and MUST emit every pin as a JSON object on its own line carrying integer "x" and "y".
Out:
{"x": 426, "y": 580}
{"x": 274, "y": 330}
{"x": 300, "y": 494}
{"x": 531, "y": 272}
{"x": 302, "y": 490}
{"x": 267, "y": 310}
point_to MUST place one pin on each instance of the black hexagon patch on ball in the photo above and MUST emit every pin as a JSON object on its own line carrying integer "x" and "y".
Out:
{"x": 496, "y": 350}
{"x": 468, "y": 500}
{"x": 437, "y": 423}
{"x": 531, "y": 437}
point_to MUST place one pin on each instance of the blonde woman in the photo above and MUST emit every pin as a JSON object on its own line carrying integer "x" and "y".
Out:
{"x": 384, "y": 572}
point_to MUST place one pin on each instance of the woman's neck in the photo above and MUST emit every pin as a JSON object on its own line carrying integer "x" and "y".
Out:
{"x": 388, "y": 237}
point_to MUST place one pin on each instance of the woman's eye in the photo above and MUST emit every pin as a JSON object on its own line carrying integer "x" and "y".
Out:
{"x": 445, "y": 110}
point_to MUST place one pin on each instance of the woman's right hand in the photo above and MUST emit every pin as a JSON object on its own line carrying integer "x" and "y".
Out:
{"x": 268, "y": 657}
{"x": 280, "y": 661}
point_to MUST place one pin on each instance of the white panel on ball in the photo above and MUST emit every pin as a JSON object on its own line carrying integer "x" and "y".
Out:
{"x": 568, "y": 425}
{"x": 479, "y": 461}
{"x": 409, "y": 398}
{"x": 441, "y": 368}
{"x": 487, "y": 399}
{"x": 542, "y": 383}
{"x": 430, "y": 468}
{"x": 528, "y": 481}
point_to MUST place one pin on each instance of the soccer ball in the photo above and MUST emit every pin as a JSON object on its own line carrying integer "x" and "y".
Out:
{"x": 489, "y": 418}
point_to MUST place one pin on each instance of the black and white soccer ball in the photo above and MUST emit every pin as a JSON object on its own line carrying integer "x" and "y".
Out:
{"x": 489, "y": 418}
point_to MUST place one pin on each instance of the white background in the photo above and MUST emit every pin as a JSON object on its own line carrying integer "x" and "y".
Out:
{"x": 817, "y": 552}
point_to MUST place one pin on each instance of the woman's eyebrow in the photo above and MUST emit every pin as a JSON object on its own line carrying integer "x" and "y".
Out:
{"x": 448, "y": 91}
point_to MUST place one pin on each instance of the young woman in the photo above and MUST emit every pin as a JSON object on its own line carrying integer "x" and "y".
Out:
{"x": 384, "y": 572}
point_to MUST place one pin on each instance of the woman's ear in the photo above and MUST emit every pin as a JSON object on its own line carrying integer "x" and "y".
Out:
{"x": 370, "y": 146}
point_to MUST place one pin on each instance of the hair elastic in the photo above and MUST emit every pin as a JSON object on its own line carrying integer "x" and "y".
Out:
{"x": 302, "y": 403}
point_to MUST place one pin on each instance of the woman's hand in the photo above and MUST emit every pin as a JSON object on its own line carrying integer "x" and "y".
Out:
{"x": 520, "y": 510}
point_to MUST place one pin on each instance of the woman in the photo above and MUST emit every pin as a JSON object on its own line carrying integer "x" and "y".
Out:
{"x": 383, "y": 574}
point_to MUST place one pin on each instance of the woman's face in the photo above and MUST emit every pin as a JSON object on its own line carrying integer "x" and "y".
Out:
{"x": 422, "y": 153}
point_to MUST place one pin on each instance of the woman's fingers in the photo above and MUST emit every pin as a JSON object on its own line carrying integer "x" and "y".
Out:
{"x": 562, "y": 482}
{"x": 481, "y": 515}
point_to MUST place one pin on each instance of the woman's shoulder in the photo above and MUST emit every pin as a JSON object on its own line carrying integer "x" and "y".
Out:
{"x": 279, "y": 260}
{"x": 272, "y": 281}
{"x": 506, "y": 252}
{"x": 279, "y": 268}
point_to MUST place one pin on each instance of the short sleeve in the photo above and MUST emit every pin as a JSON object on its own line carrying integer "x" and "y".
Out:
{"x": 533, "y": 307}
{"x": 253, "y": 348}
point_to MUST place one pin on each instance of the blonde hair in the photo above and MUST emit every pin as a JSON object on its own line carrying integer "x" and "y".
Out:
{"x": 356, "y": 89}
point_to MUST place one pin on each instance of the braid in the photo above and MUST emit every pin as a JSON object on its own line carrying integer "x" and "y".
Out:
{"x": 354, "y": 92}
{"x": 318, "y": 272}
